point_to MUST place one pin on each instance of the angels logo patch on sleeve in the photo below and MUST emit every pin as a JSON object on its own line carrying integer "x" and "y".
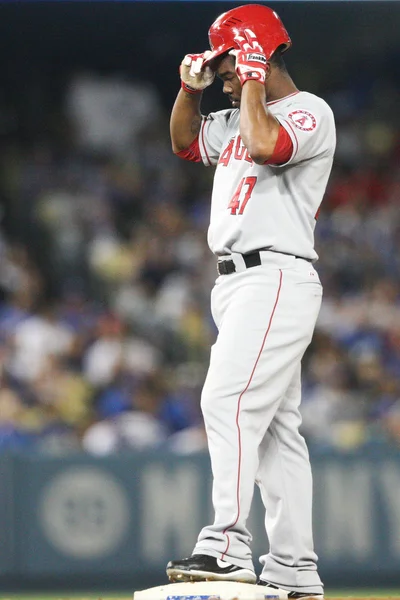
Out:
{"x": 302, "y": 119}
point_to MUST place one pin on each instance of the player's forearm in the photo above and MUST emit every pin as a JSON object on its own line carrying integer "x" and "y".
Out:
{"x": 258, "y": 127}
{"x": 185, "y": 120}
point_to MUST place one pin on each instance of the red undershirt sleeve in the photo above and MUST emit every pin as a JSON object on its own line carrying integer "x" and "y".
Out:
{"x": 282, "y": 152}
{"x": 283, "y": 149}
{"x": 192, "y": 153}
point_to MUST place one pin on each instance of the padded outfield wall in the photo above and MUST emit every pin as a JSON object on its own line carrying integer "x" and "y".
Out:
{"x": 113, "y": 523}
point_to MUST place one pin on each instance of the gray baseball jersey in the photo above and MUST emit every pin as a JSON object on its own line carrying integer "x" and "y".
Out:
{"x": 264, "y": 206}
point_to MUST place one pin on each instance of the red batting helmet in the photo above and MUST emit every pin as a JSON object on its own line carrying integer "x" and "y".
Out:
{"x": 264, "y": 21}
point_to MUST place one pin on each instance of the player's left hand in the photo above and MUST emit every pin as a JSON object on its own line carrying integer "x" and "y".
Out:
{"x": 251, "y": 62}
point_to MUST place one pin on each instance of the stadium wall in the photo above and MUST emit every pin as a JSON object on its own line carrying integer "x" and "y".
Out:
{"x": 113, "y": 523}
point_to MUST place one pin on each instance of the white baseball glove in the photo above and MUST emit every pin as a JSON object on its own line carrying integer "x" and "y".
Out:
{"x": 193, "y": 77}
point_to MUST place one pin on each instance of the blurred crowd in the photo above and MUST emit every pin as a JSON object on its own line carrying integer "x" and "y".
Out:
{"x": 105, "y": 275}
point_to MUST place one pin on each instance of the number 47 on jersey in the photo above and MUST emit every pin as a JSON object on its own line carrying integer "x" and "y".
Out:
{"x": 242, "y": 195}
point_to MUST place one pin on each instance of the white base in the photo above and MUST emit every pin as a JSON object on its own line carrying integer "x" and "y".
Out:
{"x": 210, "y": 590}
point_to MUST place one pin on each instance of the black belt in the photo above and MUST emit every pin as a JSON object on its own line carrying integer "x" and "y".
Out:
{"x": 252, "y": 259}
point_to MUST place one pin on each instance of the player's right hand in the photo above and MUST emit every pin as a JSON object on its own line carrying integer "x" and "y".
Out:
{"x": 194, "y": 78}
{"x": 251, "y": 62}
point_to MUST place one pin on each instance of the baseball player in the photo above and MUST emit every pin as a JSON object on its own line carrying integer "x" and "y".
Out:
{"x": 273, "y": 153}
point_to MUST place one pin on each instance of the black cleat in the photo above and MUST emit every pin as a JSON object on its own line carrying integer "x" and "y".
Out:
{"x": 201, "y": 567}
{"x": 292, "y": 595}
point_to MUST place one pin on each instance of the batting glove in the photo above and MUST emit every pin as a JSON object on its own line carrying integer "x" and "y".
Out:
{"x": 251, "y": 62}
{"x": 195, "y": 78}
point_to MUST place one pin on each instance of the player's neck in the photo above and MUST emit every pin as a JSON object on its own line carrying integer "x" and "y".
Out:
{"x": 279, "y": 87}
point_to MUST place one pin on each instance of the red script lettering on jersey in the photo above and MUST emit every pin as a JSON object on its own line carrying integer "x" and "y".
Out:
{"x": 238, "y": 149}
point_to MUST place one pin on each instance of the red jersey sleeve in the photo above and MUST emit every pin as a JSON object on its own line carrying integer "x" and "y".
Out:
{"x": 283, "y": 149}
{"x": 192, "y": 153}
